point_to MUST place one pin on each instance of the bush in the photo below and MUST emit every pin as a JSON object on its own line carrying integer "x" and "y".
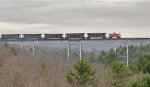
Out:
{"x": 118, "y": 67}
{"x": 13, "y": 51}
{"x": 132, "y": 69}
{"x": 119, "y": 73}
{"x": 140, "y": 83}
{"x": 144, "y": 82}
{"x": 6, "y": 44}
{"x": 111, "y": 57}
{"x": 44, "y": 69}
{"x": 147, "y": 79}
{"x": 143, "y": 63}
{"x": 83, "y": 74}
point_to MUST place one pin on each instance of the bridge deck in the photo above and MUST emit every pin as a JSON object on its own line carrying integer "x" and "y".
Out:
{"x": 84, "y": 41}
{"x": 81, "y": 39}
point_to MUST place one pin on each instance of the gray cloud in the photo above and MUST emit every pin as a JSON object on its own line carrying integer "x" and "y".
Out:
{"x": 111, "y": 15}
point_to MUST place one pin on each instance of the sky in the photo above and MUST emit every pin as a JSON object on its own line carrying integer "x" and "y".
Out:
{"x": 131, "y": 18}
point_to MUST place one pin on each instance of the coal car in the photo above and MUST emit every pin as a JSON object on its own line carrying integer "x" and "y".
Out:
{"x": 32, "y": 36}
{"x": 75, "y": 36}
{"x": 10, "y": 36}
{"x": 53, "y": 36}
{"x": 96, "y": 35}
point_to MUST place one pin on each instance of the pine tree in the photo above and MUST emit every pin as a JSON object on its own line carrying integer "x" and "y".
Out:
{"x": 82, "y": 75}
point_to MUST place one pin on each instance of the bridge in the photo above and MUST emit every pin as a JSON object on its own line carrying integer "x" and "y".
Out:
{"x": 81, "y": 42}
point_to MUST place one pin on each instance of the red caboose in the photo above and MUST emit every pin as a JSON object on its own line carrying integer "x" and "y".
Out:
{"x": 114, "y": 35}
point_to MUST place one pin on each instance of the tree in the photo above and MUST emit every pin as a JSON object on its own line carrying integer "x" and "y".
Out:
{"x": 102, "y": 56}
{"x": 64, "y": 53}
{"x": 82, "y": 75}
{"x": 111, "y": 56}
{"x": 44, "y": 69}
{"x": 119, "y": 73}
{"x": 6, "y": 44}
{"x": 118, "y": 67}
{"x": 92, "y": 57}
{"x": 140, "y": 83}
{"x": 143, "y": 63}
{"x": 144, "y": 82}
{"x": 13, "y": 51}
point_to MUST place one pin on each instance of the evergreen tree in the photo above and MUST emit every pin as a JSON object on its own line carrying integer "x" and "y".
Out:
{"x": 83, "y": 74}
{"x": 111, "y": 57}
{"x": 143, "y": 63}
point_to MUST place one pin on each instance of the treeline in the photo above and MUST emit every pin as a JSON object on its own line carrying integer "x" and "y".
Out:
{"x": 102, "y": 56}
{"x": 121, "y": 75}
{"x": 97, "y": 69}
{"x": 136, "y": 74}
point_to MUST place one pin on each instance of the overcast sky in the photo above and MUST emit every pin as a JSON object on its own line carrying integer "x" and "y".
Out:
{"x": 128, "y": 17}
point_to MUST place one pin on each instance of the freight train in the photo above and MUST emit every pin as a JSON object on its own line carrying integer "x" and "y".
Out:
{"x": 60, "y": 36}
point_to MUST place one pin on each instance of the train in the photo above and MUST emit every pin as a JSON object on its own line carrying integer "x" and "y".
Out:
{"x": 60, "y": 36}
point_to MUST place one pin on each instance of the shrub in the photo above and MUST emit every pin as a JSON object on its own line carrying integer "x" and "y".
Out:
{"x": 143, "y": 63}
{"x": 144, "y": 82}
{"x": 83, "y": 74}
{"x": 111, "y": 57}
{"x": 13, "y": 51}
{"x": 118, "y": 67}
{"x": 6, "y": 44}
{"x": 44, "y": 69}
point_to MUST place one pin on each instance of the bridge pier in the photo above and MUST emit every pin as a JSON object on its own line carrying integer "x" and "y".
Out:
{"x": 126, "y": 42}
{"x": 127, "y": 55}
{"x": 33, "y": 49}
{"x": 68, "y": 51}
{"x": 21, "y": 45}
{"x": 80, "y": 51}
{"x": 115, "y": 47}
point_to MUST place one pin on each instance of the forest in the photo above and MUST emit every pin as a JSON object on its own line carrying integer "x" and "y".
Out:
{"x": 50, "y": 67}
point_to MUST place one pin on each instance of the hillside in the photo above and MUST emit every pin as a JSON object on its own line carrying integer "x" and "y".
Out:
{"x": 24, "y": 70}
{"x": 19, "y": 68}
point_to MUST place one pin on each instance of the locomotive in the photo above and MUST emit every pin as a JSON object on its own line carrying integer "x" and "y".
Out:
{"x": 114, "y": 35}
{"x": 60, "y": 36}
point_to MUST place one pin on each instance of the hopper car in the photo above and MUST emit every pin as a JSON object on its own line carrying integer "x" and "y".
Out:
{"x": 75, "y": 36}
{"x": 96, "y": 36}
{"x": 32, "y": 36}
{"x": 53, "y": 36}
{"x": 10, "y": 36}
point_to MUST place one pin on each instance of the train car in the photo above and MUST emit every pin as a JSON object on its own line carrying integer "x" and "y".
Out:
{"x": 10, "y": 37}
{"x": 32, "y": 36}
{"x": 96, "y": 35}
{"x": 114, "y": 35}
{"x": 75, "y": 36}
{"x": 53, "y": 36}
